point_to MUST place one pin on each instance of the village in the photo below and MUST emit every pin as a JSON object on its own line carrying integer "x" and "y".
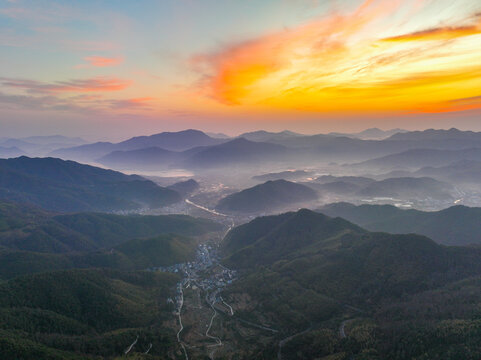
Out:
{"x": 205, "y": 272}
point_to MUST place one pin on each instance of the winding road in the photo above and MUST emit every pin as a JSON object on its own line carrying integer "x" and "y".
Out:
{"x": 230, "y": 307}
{"x": 131, "y": 346}
{"x": 342, "y": 327}
{"x": 217, "y": 340}
{"x": 180, "y": 322}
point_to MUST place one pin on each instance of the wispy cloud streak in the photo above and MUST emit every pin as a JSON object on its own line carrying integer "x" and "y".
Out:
{"x": 97, "y": 84}
{"x": 100, "y": 61}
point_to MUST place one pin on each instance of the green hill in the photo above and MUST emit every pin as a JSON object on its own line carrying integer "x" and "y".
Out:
{"x": 266, "y": 197}
{"x": 273, "y": 238}
{"x": 301, "y": 267}
{"x": 135, "y": 254}
{"x": 24, "y": 227}
{"x": 457, "y": 225}
{"x": 68, "y": 186}
{"x": 163, "y": 250}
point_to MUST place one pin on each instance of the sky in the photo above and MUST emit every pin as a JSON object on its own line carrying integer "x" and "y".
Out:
{"x": 119, "y": 68}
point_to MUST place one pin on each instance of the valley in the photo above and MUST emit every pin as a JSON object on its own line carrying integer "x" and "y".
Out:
{"x": 240, "y": 180}
{"x": 253, "y": 258}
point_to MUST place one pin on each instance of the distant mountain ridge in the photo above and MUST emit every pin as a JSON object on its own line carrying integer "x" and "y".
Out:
{"x": 239, "y": 151}
{"x": 284, "y": 175}
{"x": 39, "y": 145}
{"x": 403, "y": 187}
{"x": 371, "y": 134}
{"x": 169, "y": 141}
{"x": 266, "y": 136}
{"x": 333, "y": 147}
{"x": 437, "y": 134}
{"x": 10, "y": 152}
{"x": 418, "y": 158}
{"x": 409, "y": 187}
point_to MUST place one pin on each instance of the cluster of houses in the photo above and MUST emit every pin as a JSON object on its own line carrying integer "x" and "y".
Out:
{"x": 204, "y": 272}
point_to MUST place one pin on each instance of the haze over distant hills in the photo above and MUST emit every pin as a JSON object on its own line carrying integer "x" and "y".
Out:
{"x": 437, "y": 135}
{"x": 266, "y": 136}
{"x": 284, "y": 175}
{"x": 237, "y": 151}
{"x": 405, "y": 187}
{"x": 230, "y": 153}
{"x": 459, "y": 172}
{"x": 185, "y": 188}
{"x": 10, "y": 152}
{"x": 371, "y": 134}
{"x": 143, "y": 159}
{"x": 172, "y": 141}
{"x": 38, "y": 145}
{"x": 184, "y": 149}
{"x": 418, "y": 158}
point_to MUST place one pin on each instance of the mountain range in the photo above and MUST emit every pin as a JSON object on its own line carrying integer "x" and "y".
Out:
{"x": 284, "y": 175}
{"x": 38, "y": 145}
{"x": 69, "y": 186}
{"x": 29, "y": 228}
{"x": 407, "y": 188}
{"x": 231, "y": 153}
{"x": 418, "y": 158}
{"x": 170, "y": 141}
{"x": 184, "y": 148}
{"x": 308, "y": 273}
{"x": 457, "y": 225}
{"x": 371, "y": 134}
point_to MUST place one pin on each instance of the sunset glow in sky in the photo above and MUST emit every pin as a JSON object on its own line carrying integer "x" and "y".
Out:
{"x": 120, "y": 68}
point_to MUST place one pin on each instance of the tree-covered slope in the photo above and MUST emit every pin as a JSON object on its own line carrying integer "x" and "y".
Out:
{"x": 305, "y": 256}
{"x": 24, "y": 227}
{"x": 84, "y": 314}
{"x": 457, "y": 225}
{"x": 268, "y": 196}
{"x": 68, "y": 186}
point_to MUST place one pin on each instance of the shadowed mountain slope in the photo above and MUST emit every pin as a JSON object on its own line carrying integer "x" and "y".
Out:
{"x": 268, "y": 196}
{"x": 69, "y": 186}
{"x": 457, "y": 225}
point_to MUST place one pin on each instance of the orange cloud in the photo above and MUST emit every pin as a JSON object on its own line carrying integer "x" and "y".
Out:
{"x": 440, "y": 33}
{"x": 241, "y": 65}
{"x": 340, "y": 63}
{"x": 138, "y": 103}
{"x": 101, "y": 84}
{"x": 100, "y": 61}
